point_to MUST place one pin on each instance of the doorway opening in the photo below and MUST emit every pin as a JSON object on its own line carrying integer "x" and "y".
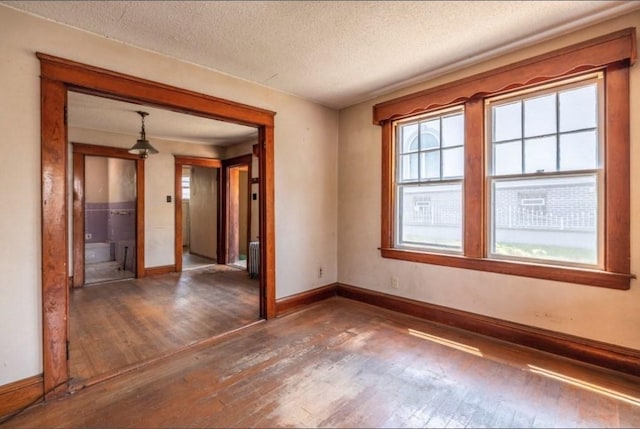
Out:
{"x": 123, "y": 324}
{"x": 108, "y": 207}
{"x": 109, "y": 219}
{"x": 238, "y": 227}
{"x": 58, "y": 77}
{"x": 197, "y": 212}
{"x": 200, "y": 195}
{"x": 238, "y": 243}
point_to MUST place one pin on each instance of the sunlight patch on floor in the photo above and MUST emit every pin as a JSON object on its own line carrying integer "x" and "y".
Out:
{"x": 445, "y": 342}
{"x": 586, "y": 385}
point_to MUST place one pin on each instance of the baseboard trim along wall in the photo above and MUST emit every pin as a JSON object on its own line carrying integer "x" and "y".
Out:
{"x": 589, "y": 351}
{"x": 284, "y": 305}
{"x": 19, "y": 395}
{"x": 156, "y": 271}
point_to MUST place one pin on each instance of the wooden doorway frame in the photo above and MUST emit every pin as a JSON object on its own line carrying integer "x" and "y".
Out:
{"x": 80, "y": 151}
{"x": 227, "y": 164}
{"x": 181, "y": 161}
{"x": 57, "y": 77}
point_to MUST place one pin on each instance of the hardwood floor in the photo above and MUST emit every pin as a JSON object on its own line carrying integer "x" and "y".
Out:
{"x": 341, "y": 363}
{"x": 114, "y": 325}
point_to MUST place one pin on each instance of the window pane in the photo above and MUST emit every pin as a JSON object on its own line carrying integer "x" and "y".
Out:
{"x": 430, "y": 134}
{"x": 507, "y": 158}
{"x": 430, "y": 216}
{"x": 409, "y": 138}
{"x": 546, "y": 218}
{"x": 540, "y": 116}
{"x": 507, "y": 122}
{"x": 430, "y": 165}
{"x": 579, "y": 151}
{"x": 453, "y": 130}
{"x": 409, "y": 167}
{"x": 453, "y": 162}
{"x": 186, "y": 185}
{"x": 540, "y": 155}
{"x": 578, "y": 108}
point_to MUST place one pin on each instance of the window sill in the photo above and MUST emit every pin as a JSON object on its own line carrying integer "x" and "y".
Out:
{"x": 563, "y": 274}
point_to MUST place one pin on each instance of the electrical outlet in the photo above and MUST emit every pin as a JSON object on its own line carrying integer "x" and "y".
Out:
{"x": 87, "y": 236}
{"x": 394, "y": 283}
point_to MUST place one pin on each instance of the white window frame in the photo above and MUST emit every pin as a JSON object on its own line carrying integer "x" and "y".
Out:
{"x": 599, "y": 173}
{"x": 399, "y": 184}
{"x": 186, "y": 197}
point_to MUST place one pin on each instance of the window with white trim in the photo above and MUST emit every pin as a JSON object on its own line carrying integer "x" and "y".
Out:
{"x": 186, "y": 188}
{"x": 546, "y": 145}
{"x": 430, "y": 169}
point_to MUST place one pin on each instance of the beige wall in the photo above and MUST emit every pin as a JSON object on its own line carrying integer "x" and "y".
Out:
{"x": 306, "y": 137}
{"x": 97, "y": 183}
{"x": 255, "y": 204}
{"x": 186, "y": 232}
{"x": 203, "y": 207}
{"x": 607, "y": 315}
{"x": 243, "y": 209}
{"x": 239, "y": 149}
{"x": 122, "y": 180}
{"x": 186, "y": 224}
{"x": 255, "y": 213}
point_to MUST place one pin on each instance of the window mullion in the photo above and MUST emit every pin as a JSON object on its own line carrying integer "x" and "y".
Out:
{"x": 474, "y": 180}
{"x": 522, "y": 138}
{"x": 557, "y": 132}
{"x": 440, "y": 154}
{"x": 419, "y": 152}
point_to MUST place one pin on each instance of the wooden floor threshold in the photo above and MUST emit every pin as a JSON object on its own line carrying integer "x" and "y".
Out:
{"x": 76, "y": 385}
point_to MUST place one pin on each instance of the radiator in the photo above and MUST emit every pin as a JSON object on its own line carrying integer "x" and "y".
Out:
{"x": 253, "y": 262}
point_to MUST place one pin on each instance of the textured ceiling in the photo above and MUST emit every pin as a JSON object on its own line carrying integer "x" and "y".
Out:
{"x": 334, "y": 52}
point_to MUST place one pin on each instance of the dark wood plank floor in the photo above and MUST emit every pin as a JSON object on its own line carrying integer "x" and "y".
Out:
{"x": 113, "y": 325}
{"x": 340, "y": 363}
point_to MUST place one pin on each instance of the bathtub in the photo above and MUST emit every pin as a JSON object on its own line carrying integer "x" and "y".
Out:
{"x": 97, "y": 252}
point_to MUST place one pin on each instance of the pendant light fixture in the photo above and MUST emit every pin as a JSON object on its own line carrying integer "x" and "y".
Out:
{"x": 142, "y": 147}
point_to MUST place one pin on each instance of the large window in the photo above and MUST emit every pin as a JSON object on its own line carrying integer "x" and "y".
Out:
{"x": 430, "y": 167}
{"x": 545, "y": 174}
{"x": 523, "y": 170}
